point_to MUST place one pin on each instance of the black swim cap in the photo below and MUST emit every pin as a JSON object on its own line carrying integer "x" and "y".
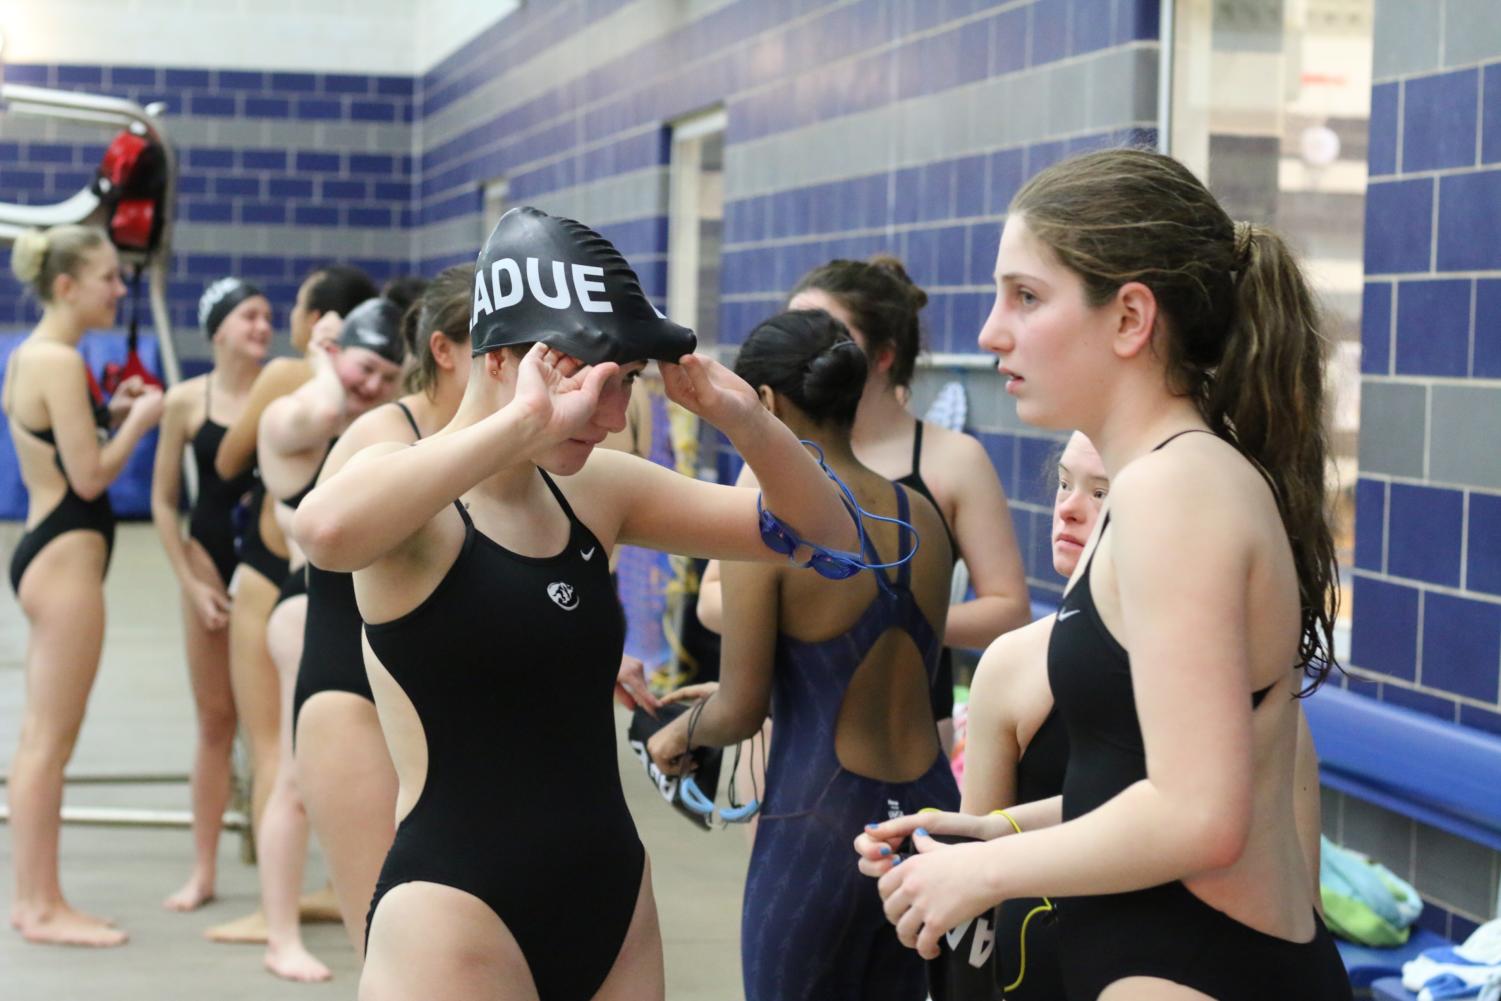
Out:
{"x": 375, "y": 325}
{"x": 220, "y": 299}
{"x": 549, "y": 279}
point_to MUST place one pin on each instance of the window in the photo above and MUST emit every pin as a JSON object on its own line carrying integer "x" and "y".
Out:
{"x": 1270, "y": 105}
{"x": 696, "y": 223}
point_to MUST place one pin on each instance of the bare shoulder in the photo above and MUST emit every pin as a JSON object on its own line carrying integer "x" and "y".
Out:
{"x": 1195, "y": 470}
{"x": 52, "y": 356}
{"x": 185, "y": 397}
{"x": 1011, "y": 666}
{"x": 957, "y": 463}
{"x": 383, "y": 424}
{"x": 283, "y": 374}
{"x": 1016, "y": 646}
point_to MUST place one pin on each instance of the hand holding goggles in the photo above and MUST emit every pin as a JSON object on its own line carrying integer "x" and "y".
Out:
{"x": 832, "y": 564}
{"x": 693, "y": 798}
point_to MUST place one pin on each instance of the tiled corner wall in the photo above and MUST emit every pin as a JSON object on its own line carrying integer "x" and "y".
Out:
{"x": 1427, "y": 583}
{"x": 279, "y": 171}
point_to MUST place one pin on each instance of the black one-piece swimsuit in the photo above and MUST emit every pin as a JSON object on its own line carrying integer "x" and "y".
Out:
{"x": 1163, "y": 931}
{"x": 510, "y": 665}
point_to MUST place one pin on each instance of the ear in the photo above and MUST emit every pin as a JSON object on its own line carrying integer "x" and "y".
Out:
{"x": 494, "y": 364}
{"x": 63, "y": 286}
{"x": 883, "y": 360}
{"x": 441, "y": 348}
{"x": 1136, "y": 319}
{"x": 767, "y": 397}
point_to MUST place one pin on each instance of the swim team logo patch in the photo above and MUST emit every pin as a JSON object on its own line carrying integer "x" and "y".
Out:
{"x": 563, "y": 595}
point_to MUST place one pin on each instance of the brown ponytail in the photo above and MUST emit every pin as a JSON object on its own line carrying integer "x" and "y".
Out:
{"x": 442, "y": 306}
{"x": 1242, "y": 333}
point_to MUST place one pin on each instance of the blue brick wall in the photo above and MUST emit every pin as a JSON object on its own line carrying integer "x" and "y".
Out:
{"x": 1427, "y": 619}
{"x": 1426, "y": 630}
{"x": 287, "y": 153}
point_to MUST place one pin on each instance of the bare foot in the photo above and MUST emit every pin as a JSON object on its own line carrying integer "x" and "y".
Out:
{"x": 63, "y": 925}
{"x": 249, "y": 930}
{"x": 320, "y": 906}
{"x": 293, "y": 962}
{"x": 194, "y": 894}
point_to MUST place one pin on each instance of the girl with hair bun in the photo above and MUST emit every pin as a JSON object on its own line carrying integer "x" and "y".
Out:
{"x": 59, "y": 427}
{"x": 880, "y": 307}
{"x": 1188, "y": 348}
{"x": 844, "y": 665}
{"x": 236, "y": 318}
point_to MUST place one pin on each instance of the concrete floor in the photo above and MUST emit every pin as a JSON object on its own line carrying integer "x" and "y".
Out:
{"x": 140, "y": 720}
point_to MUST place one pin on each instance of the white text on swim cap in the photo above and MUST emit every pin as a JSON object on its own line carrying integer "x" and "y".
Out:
{"x": 503, "y": 286}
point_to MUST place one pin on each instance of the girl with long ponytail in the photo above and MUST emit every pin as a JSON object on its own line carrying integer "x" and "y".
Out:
{"x": 1188, "y": 348}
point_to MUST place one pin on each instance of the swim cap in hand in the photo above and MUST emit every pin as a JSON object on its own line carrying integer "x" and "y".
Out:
{"x": 544, "y": 278}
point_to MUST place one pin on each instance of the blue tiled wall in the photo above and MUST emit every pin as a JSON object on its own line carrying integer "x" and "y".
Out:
{"x": 1427, "y": 583}
{"x": 278, "y": 172}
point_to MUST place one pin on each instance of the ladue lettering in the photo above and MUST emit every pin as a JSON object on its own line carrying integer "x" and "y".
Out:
{"x": 508, "y": 281}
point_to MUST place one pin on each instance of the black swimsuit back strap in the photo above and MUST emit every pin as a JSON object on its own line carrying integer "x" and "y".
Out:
{"x": 917, "y": 450}
{"x": 1174, "y": 437}
{"x": 410, "y": 419}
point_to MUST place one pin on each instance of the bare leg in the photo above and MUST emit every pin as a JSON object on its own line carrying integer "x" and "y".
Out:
{"x": 62, "y": 594}
{"x": 283, "y": 832}
{"x": 349, "y": 787}
{"x": 442, "y": 944}
{"x": 208, "y": 672}
{"x": 638, "y": 973}
{"x": 256, "y": 689}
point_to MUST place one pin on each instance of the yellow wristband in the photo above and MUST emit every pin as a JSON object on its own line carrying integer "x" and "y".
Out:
{"x": 1014, "y": 825}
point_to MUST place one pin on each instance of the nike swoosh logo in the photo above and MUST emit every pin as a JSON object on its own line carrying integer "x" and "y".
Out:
{"x": 1071, "y": 611}
{"x": 587, "y": 555}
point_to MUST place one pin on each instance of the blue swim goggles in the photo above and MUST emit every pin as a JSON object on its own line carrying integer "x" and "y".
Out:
{"x": 693, "y": 797}
{"x": 833, "y": 564}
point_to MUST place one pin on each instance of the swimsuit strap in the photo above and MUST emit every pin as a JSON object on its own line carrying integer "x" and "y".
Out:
{"x": 410, "y": 419}
{"x": 917, "y": 450}
{"x": 562, "y": 501}
{"x": 1163, "y": 444}
{"x": 904, "y": 515}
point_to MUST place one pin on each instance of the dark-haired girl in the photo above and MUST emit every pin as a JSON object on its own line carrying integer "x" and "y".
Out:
{"x": 344, "y": 772}
{"x": 236, "y": 318}
{"x": 844, "y": 665}
{"x": 1187, "y": 347}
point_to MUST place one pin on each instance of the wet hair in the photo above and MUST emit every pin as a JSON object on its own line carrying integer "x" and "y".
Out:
{"x": 39, "y": 256}
{"x": 340, "y": 288}
{"x": 1241, "y": 335}
{"x": 443, "y": 306}
{"x": 809, "y": 358}
{"x": 882, "y": 301}
{"x": 404, "y": 291}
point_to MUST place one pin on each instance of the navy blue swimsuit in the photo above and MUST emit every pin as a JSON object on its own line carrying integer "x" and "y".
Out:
{"x": 812, "y": 926}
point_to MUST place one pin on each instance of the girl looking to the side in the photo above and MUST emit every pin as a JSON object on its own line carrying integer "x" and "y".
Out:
{"x": 58, "y": 426}
{"x": 1187, "y": 347}
{"x": 236, "y": 318}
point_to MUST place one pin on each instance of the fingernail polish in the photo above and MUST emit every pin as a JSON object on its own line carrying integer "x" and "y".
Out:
{"x": 871, "y": 827}
{"x": 897, "y": 861}
{"x": 922, "y": 833}
{"x": 885, "y": 849}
